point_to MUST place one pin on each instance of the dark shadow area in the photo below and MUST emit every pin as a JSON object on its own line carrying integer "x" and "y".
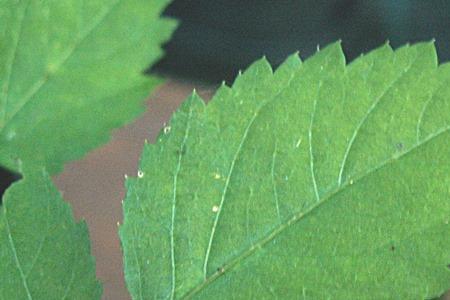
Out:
{"x": 217, "y": 38}
{"x": 6, "y": 179}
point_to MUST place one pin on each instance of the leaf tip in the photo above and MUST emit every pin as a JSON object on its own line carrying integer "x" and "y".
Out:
{"x": 195, "y": 99}
{"x": 290, "y": 64}
{"x": 334, "y": 53}
{"x": 294, "y": 58}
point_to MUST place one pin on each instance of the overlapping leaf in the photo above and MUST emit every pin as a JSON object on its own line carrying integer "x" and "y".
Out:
{"x": 44, "y": 254}
{"x": 70, "y": 71}
{"x": 321, "y": 180}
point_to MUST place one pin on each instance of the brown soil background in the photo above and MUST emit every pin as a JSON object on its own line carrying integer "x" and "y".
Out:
{"x": 94, "y": 185}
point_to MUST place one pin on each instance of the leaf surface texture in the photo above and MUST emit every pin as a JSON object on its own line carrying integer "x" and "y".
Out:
{"x": 321, "y": 180}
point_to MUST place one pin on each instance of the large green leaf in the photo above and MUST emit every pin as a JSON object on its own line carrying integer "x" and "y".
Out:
{"x": 70, "y": 71}
{"x": 319, "y": 181}
{"x": 44, "y": 254}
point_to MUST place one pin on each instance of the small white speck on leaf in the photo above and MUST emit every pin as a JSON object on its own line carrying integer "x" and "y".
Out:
{"x": 217, "y": 176}
{"x": 351, "y": 181}
{"x": 126, "y": 176}
{"x": 167, "y": 129}
{"x": 10, "y": 135}
{"x": 140, "y": 174}
{"x": 286, "y": 178}
{"x": 215, "y": 208}
{"x": 118, "y": 223}
{"x": 51, "y": 68}
{"x": 298, "y": 143}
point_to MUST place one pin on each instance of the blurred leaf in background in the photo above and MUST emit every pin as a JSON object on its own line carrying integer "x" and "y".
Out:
{"x": 70, "y": 72}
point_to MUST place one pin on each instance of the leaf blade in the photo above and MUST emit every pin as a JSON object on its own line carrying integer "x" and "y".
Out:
{"x": 45, "y": 254}
{"x": 271, "y": 153}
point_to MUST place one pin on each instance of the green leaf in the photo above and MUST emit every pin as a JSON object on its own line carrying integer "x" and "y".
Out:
{"x": 44, "y": 254}
{"x": 321, "y": 180}
{"x": 70, "y": 72}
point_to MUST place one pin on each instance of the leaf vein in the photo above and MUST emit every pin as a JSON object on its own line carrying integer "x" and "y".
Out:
{"x": 46, "y": 77}
{"x": 274, "y": 185}
{"x": 365, "y": 118}
{"x": 16, "y": 258}
{"x": 12, "y": 63}
{"x": 138, "y": 265}
{"x": 70, "y": 284}
{"x": 311, "y": 155}
{"x": 174, "y": 201}
{"x": 224, "y": 192}
{"x": 301, "y": 215}
{"x": 44, "y": 238}
{"x": 422, "y": 113}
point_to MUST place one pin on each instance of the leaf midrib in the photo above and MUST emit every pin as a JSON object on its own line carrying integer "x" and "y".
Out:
{"x": 301, "y": 215}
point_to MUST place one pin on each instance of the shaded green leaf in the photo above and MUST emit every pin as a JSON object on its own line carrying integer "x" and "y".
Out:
{"x": 44, "y": 254}
{"x": 70, "y": 72}
{"x": 321, "y": 180}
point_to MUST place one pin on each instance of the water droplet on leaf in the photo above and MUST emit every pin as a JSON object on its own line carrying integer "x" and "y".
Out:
{"x": 167, "y": 129}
